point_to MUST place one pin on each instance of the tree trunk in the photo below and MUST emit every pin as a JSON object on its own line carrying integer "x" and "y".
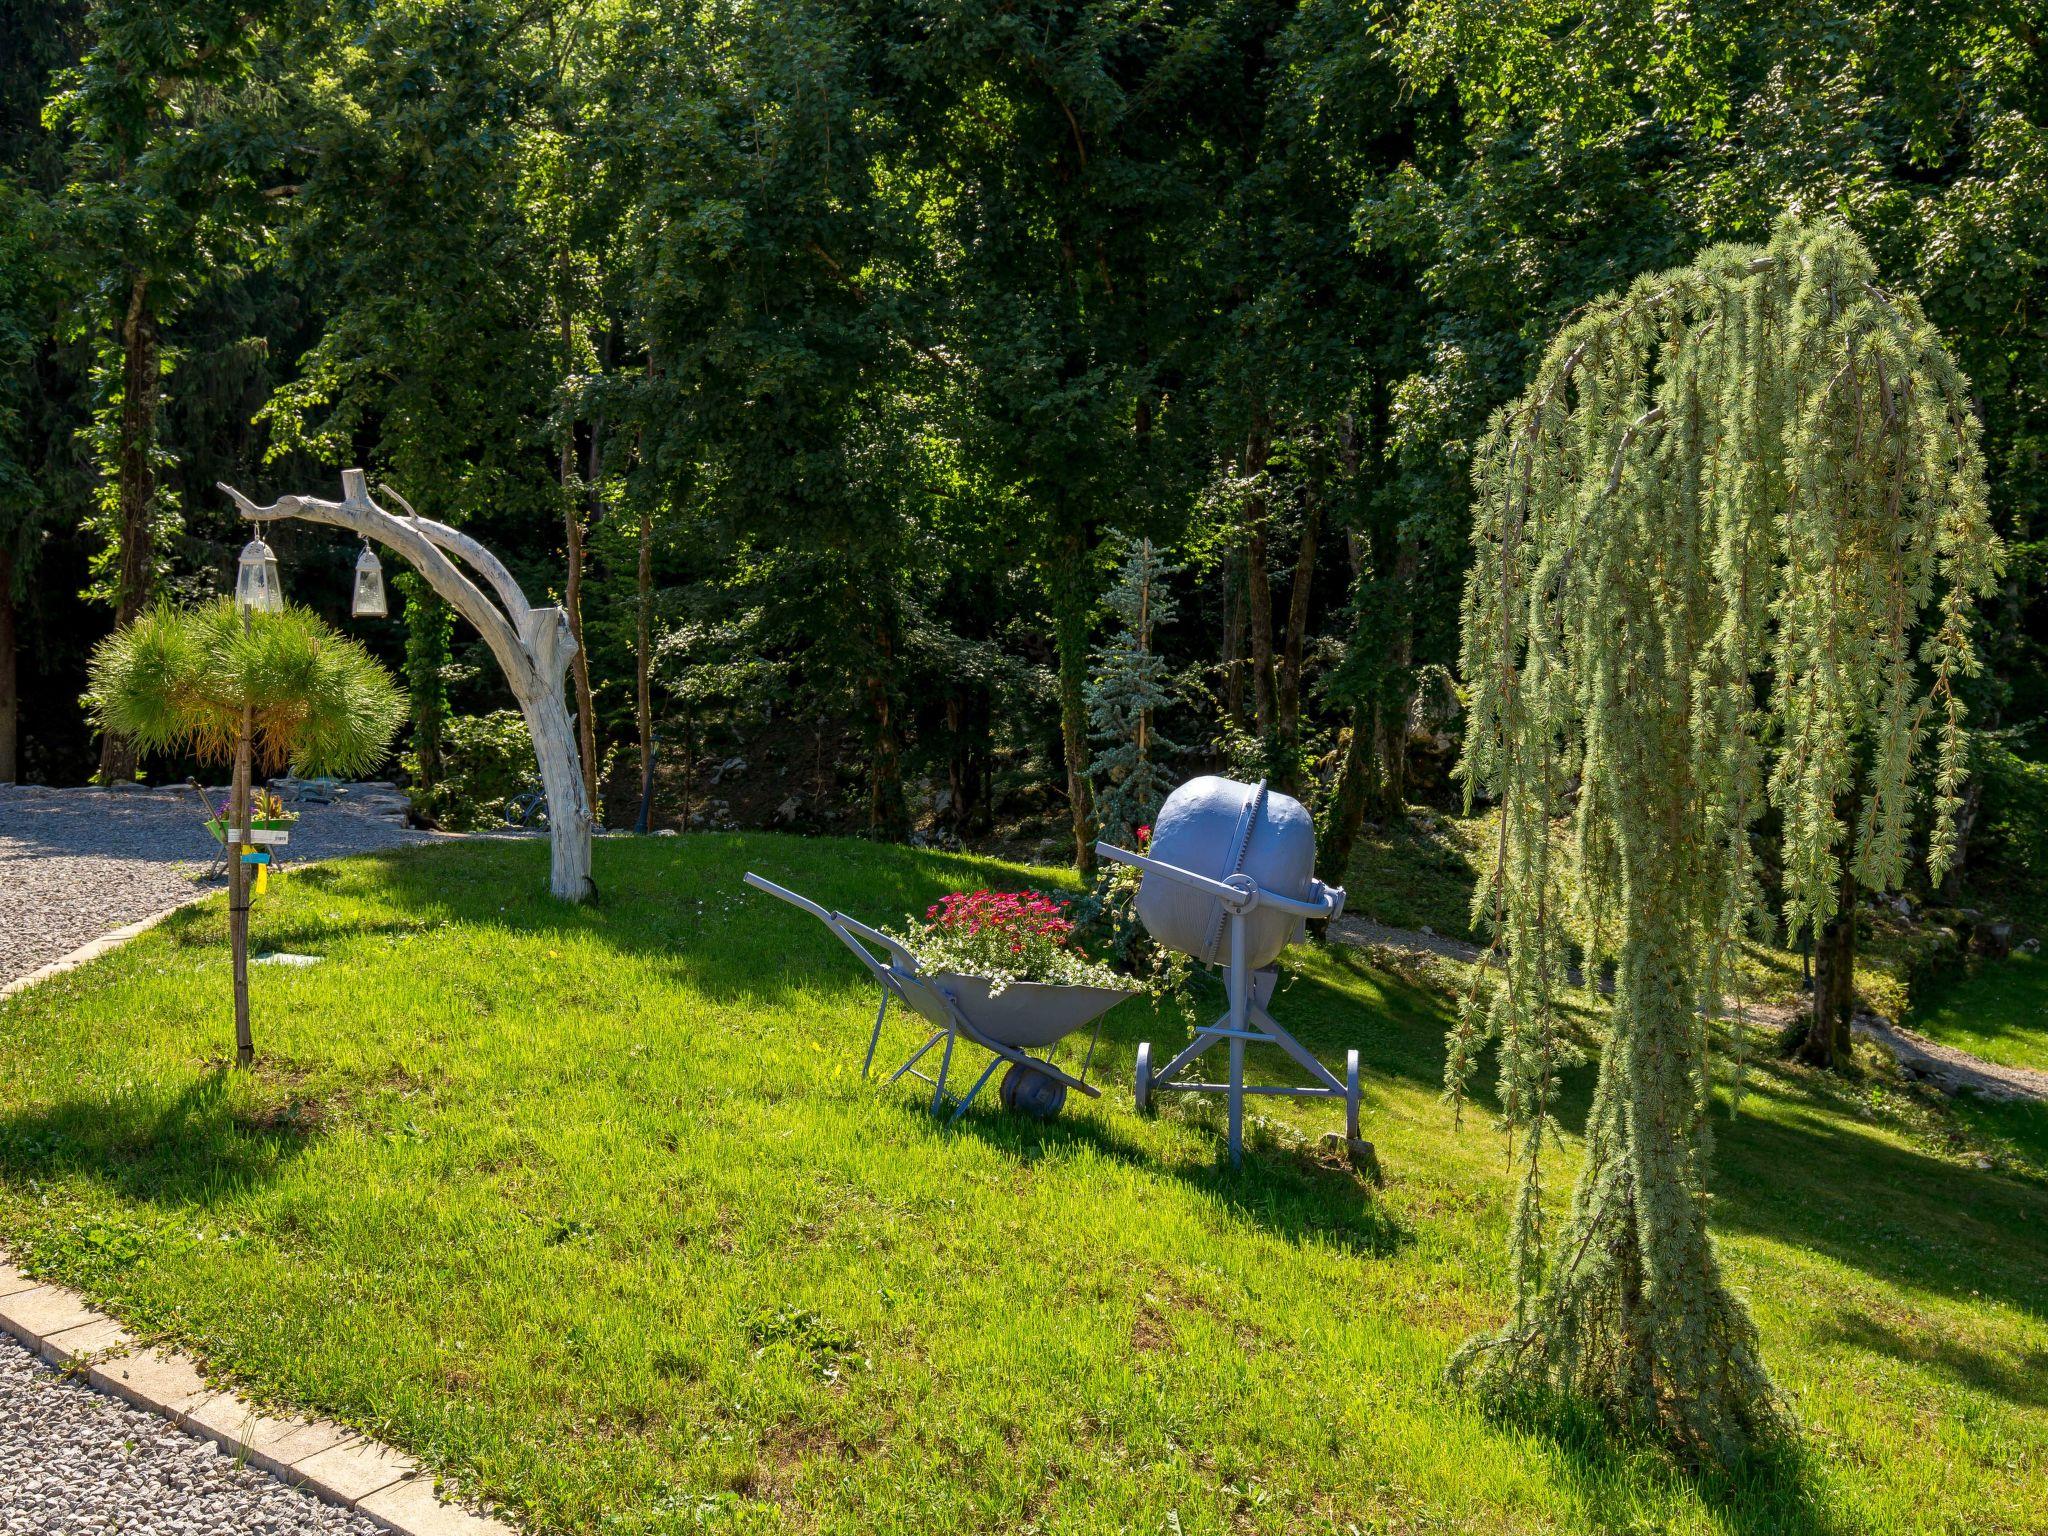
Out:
{"x": 643, "y": 663}
{"x": 561, "y": 780}
{"x": 1287, "y": 694}
{"x": 1634, "y": 1314}
{"x": 1259, "y": 590}
{"x": 572, "y": 603}
{"x": 967, "y": 775}
{"x": 888, "y": 811}
{"x": 1071, "y": 600}
{"x": 1828, "y": 1038}
{"x": 1233, "y": 638}
{"x": 1397, "y": 690}
{"x": 238, "y": 890}
{"x": 135, "y": 489}
{"x": 1356, "y": 790}
{"x": 10, "y": 692}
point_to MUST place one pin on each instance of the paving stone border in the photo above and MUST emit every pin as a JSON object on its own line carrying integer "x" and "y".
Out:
{"x": 325, "y": 1458}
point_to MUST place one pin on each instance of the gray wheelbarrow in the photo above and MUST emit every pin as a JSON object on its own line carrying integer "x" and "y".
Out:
{"x": 1025, "y": 1016}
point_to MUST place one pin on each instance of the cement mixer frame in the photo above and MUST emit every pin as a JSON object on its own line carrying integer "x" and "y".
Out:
{"x": 1246, "y": 1021}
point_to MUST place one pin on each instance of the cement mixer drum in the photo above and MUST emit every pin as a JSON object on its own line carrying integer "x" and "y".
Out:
{"x": 1219, "y": 827}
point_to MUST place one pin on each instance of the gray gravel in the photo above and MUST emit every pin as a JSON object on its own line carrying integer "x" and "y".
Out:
{"x": 75, "y": 1461}
{"x": 77, "y": 863}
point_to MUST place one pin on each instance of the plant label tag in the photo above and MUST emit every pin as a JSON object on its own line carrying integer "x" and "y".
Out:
{"x": 272, "y": 836}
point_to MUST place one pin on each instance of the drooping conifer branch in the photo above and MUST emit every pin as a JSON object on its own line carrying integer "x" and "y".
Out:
{"x": 1705, "y": 539}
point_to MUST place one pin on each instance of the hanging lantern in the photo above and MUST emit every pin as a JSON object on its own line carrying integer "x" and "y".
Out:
{"x": 257, "y": 588}
{"x": 369, "y": 599}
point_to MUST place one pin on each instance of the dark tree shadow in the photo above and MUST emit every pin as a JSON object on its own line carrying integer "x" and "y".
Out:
{"x": 199, "y": 1146}
{"x": 1286, "y": 1190}
{"x": 1771, "y": 1492}
{"x": 2024, "y": 1385}
{"x": 1803, "y": 1171}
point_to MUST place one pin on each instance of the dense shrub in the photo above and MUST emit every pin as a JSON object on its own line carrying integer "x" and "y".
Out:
{"x": 487, "y": 763}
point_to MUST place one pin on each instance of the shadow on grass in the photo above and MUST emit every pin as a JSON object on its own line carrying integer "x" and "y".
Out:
{"x": 1792, "y": 1171}
{"x": 1286, "y": 1192}
{"x": 2024, "y": 1384}
{"x": 1770, "y": 1493}
{"x": 1801, "y": 1168}
{"x": 210, "y": 1140}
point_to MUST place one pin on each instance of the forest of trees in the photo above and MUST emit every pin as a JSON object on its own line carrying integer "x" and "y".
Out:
{"x": 910, "y": 399}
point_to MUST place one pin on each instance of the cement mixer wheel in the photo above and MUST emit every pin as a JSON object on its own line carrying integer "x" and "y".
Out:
{"x": 1141, "y": 1089}
{"x": 1026, "y": 1090}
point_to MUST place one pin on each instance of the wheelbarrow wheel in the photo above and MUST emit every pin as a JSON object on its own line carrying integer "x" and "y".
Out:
{"x": 1026, "y": 1090}
{"x": 1141, "y": 1088}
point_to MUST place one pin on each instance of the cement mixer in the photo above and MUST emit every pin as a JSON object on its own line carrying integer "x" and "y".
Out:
{"x": 1229, "y": 879}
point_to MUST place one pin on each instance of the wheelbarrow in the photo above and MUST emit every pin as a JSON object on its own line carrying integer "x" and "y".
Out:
{"x": 1025, "y": 1016}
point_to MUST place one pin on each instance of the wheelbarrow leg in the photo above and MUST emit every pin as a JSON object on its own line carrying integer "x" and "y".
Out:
{"x": 945, "y": 1063}
{"x": 986, "y": 1073}
{"x": 918, "y": 1055}
{"x": 875, "y": 1039}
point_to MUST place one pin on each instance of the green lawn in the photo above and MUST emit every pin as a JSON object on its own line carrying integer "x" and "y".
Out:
{"x": 1997, "y": 1010}
{"x": 591, "y": 1210}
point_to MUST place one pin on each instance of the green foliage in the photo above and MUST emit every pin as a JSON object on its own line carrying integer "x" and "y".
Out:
{"x": 1760, "y": 466}
{"x": 183, "y": 680}
{"x": 485, "y": 762}
{"x": 429, "y": 628}
{"x": 2012, "y": 820}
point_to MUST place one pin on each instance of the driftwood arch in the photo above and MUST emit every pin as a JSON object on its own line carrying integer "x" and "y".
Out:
{"x": 533, "y": 646}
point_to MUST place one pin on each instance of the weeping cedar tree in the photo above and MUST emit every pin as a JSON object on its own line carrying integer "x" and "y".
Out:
{"x": 1130, "y": 685}
{"x": 1704, "y": 538}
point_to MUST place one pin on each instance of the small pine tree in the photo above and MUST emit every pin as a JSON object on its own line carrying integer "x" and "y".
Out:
{"x": 1128, "y": 685}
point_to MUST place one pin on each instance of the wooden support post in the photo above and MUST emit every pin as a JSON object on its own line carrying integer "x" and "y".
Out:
{"x": 238, "y": 889}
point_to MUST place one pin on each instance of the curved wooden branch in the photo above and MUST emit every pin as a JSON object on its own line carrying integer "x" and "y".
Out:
{"x": 360, "y": 515}
{"x": 481, "y": 560}
{"x": 532, "y": 645}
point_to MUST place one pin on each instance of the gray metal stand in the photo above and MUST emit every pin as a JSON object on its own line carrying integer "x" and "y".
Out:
{"x": 1246, "y": 1022}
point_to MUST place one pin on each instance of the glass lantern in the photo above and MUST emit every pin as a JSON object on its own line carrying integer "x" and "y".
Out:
{"x": 368, "y": 602}
{"x": 257, "y": 588}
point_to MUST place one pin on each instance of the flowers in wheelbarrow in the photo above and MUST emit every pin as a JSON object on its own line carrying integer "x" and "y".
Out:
{"x": 1005, "y": 937}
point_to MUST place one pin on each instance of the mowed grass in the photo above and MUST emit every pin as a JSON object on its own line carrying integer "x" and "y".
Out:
{"x": 1998, "y": 1010}
{"x": 591, "y": 1210}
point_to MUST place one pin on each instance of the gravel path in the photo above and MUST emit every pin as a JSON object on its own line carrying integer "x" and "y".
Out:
{"x": 75, "y": 1461}
{"x": 76, "y": 863}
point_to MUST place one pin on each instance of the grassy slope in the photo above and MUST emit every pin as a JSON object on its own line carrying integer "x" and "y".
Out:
{"x": 1998, "y": 1011}
{"x": 591, "y": 1209}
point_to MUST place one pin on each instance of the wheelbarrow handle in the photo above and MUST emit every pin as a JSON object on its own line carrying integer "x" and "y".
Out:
{"x": 848, "y": 931}
{"x": 783, "y": 893}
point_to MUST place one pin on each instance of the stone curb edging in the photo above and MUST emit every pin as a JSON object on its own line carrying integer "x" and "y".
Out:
{"x": 327, "y": 1459}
